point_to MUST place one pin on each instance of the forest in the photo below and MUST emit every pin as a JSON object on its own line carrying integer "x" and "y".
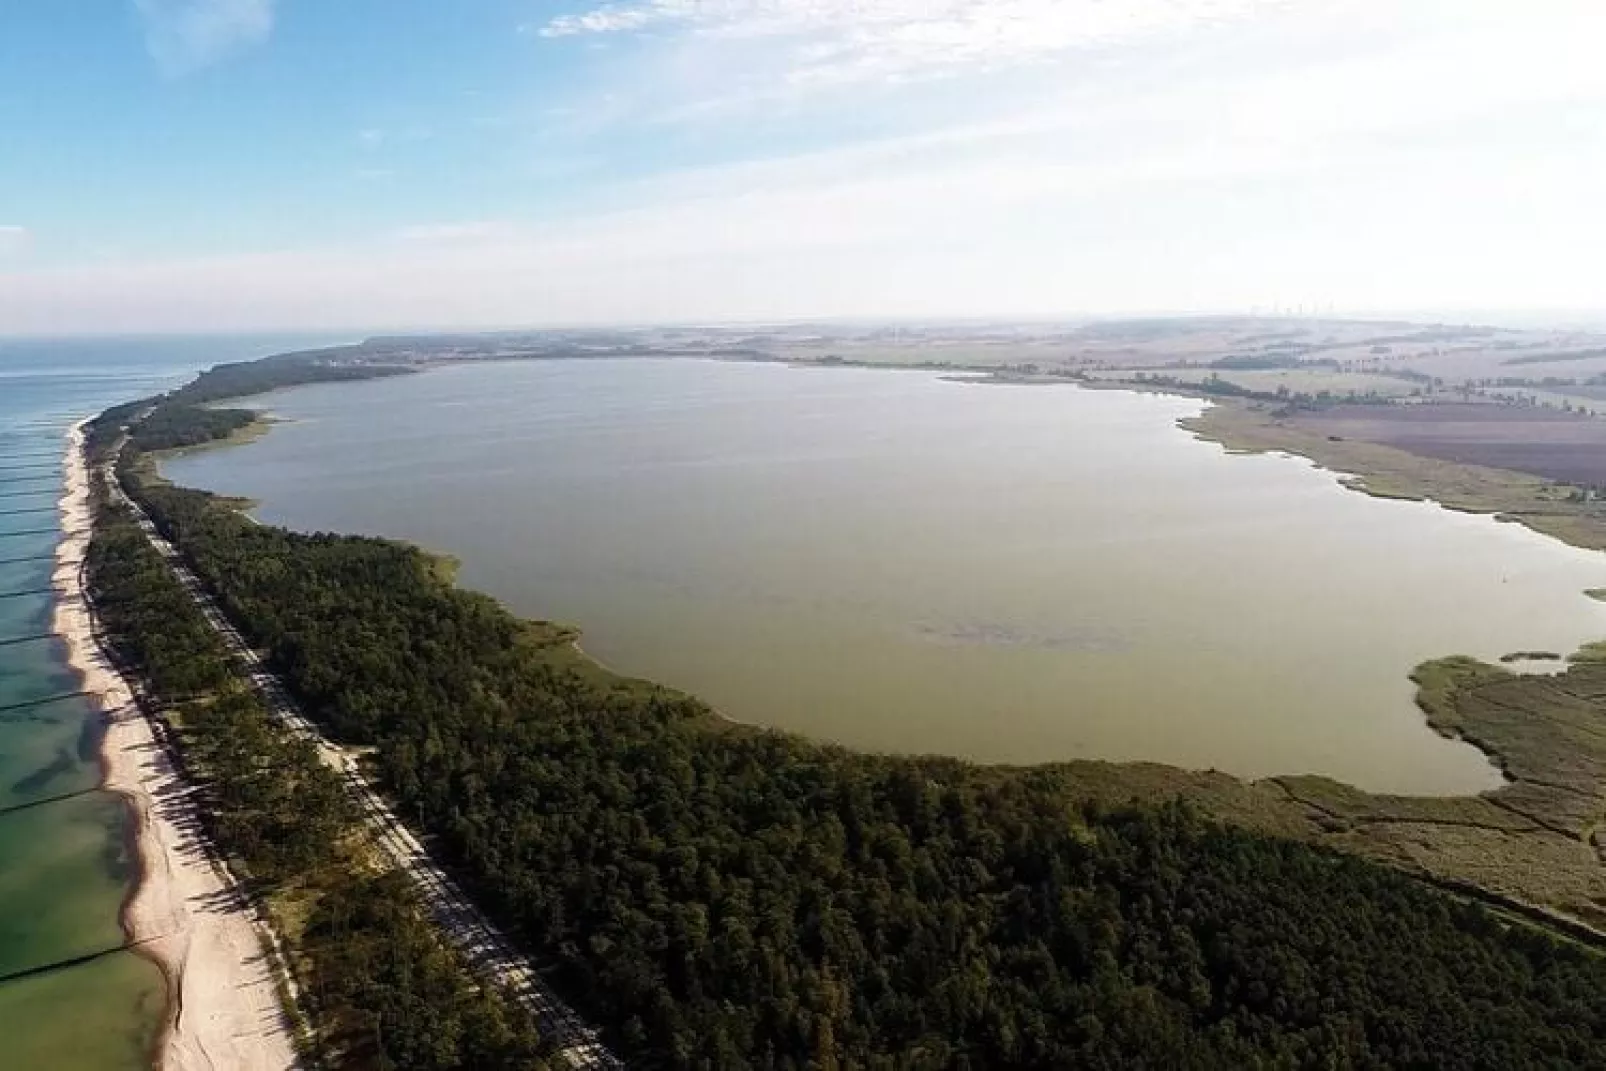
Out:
{"x": 284, "y": 370}
{"x": 721, "y": 897}
{"x": 382, "y": 991}
{"x": 172, "y": 427}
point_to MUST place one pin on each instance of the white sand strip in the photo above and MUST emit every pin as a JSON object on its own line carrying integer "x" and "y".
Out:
{"x": 186, "y": 913}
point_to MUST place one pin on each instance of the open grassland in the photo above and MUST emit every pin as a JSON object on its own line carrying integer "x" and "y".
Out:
{"x": 1532, "y": 356}
{"x": 1534, "y": 840}
{"x": 1549, "y": 443}
{"x": 1582, "y": 398}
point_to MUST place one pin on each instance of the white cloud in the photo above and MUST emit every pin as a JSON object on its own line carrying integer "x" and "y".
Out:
{"x": 1345, "y": 151}
{"x": 848, "y": 41}
{"x": 609, "y": 18}
{"x": 186, "y": 35}
{"x": 980, "y": 222}
{"x": 14, "y": 240}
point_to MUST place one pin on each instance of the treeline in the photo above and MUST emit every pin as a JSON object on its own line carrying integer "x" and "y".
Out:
{"x": 337, "y": 365}
{"x": 719, "y": 897}
{"x": 1214, "y": 385}
{"x": 171, "y": 427}
{"x": 1280, "y": 359}
{"x": 1557, "y": 357}
{"x": 381, "y": 988}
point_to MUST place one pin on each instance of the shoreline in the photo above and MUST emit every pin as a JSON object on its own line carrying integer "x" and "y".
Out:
{"x": 1352, "y": 478}
{"x": 1239, "y": 425}
{"x": 1385, "y": 471}
{"x": 184, "y": 912}
{"x": 1523, "y": 843}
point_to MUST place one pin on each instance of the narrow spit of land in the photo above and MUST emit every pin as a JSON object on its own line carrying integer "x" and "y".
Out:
{"x": 603, "y": 817}
{"x": 487, "y": 949}
{"x": 372, "y": 981}
{"x": 187, "y": 911}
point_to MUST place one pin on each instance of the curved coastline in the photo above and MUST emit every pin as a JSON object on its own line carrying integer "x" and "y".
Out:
{"x": 222, "y": 570}
{"x": 1486, "y": 778}
{"x": 222, "y": 1003}
{"x": 1471, "y": 839}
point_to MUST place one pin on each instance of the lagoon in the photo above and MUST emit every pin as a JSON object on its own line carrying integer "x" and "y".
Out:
{"x": 900, "y": 562}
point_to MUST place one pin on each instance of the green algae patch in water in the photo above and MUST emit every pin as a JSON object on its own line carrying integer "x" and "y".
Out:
{"x": 47, "y": 752}
{"x": 104, "y": 1015}
{"x": 65, "y": 868}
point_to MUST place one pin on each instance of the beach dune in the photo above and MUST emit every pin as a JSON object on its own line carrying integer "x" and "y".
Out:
{"x": 186, "y": 912}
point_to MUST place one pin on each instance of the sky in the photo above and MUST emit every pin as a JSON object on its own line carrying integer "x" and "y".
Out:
{"x": 213, "y": 165}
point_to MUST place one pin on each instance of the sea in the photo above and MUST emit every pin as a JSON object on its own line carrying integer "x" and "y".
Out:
{"x": 73, "y": 997}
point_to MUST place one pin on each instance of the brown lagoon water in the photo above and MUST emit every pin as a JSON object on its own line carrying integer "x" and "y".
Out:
{"x": 903, "y": 563}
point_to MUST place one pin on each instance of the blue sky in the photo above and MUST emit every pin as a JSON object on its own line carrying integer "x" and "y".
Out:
{"x": 256, "y": 164}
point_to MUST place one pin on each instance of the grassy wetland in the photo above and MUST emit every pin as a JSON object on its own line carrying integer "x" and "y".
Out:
{"x": 1467, "y": 433}
{"x": 1537, "y": 839}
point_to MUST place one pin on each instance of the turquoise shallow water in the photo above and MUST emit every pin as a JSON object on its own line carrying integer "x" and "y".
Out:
{"x": 65, "y": 866}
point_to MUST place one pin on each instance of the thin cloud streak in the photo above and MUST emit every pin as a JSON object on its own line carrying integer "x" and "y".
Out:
{"x": 989, "y": 233}
{"x": 836, "y": 42}
{"x": 1401, "y": 163}
{"x": 184, "y": 36}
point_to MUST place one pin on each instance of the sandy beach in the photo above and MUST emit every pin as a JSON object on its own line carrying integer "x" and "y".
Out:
{"x": 186, "y": 912}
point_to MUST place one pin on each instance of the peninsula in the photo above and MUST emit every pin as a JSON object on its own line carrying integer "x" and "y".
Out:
{"x": 188, "y": 912}
{"x": 665, "y": 864}
{"x": 283, "y": 927}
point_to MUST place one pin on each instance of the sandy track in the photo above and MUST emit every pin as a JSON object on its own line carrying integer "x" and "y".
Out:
{"x": 186, "y": 913}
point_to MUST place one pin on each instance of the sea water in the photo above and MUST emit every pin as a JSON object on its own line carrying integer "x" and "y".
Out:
{"x": 72, "y": 998}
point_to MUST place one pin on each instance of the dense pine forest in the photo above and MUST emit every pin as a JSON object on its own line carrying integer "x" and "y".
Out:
{"x": 722, "y": 897}
{"x": 381, "y": 989}
{"x": 337, "y": 365}
{"x": 172, "y": 427}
